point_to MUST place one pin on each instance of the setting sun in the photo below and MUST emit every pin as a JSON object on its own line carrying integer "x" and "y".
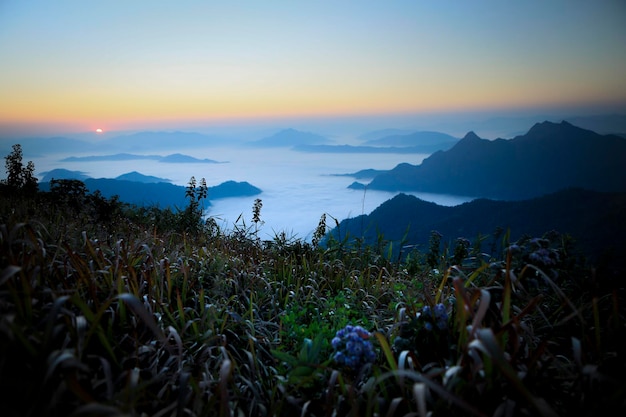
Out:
{"x": 98, "y": 130}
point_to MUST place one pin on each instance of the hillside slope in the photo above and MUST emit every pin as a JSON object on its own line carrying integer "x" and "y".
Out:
{"x": 594, "y": 219}
{"x": 161, "y": 194}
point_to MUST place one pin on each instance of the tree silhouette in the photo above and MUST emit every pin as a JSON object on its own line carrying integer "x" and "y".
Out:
{"x": 20, "y": 178}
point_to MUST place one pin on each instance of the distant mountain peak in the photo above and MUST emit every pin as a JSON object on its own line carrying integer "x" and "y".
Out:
{"x": 63, "y": 174}
{"x": 471, "y": 136}
{"x": 547, "y": 128}
{"x": 180, "y": 158}
{"x": 292, "y": 137}
{"x": 559, "y": 155}
{"x": 139, "y": 177}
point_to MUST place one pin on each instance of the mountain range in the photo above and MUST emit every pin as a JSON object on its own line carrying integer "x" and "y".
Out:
{"x": 595, "y": 220}
{"x": 426, "y": 149}
{"x": 290, "y": 138}
{"x": 381, "y": 133}
{"x": 66, "y": 174}
{"x": 145, "y": 190}
{"x": 173, "y": 158}
{"x": 425, "y": 139}
{"x": 148, "y": 141}
{"x": 121, "y": 143}
{"x": 548, "y": 158}
{"x": 388, "y": 141}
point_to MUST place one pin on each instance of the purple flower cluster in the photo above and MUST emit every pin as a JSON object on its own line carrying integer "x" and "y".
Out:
{"x": 352, "y": 347}
{"x": 436, "y": 315}
{"x": 544, "y": 256}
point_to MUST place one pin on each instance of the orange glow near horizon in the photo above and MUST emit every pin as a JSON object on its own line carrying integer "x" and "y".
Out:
{"x": 178, "y": 102}
{"x": 141, "y": 114}
{"x": 150, "y": 105}
{"x": 172, "y": 65}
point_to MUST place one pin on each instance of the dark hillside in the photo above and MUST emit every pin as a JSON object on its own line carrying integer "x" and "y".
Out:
{"x": 160, "y": 194}
{"x": 596, "y": 220}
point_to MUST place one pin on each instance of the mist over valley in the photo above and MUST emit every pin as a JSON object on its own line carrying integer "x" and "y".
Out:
{"x": 301, "y": 175}
{"x": 297, "y": 187}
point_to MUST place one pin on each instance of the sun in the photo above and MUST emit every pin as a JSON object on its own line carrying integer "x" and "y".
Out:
{"x": 98, "y": 130}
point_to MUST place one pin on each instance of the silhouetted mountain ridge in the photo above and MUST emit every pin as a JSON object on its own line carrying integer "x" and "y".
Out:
{"x": 422, "y": 141}
{"x": 115, "y": 157}
{"x": 381, "y": 133}
{"x": 290, "y": 138}
{"x": 549, "y": 158}
{"x": 362, "y": 174}
{"x": 184, "y": 159}
{"x": 63, "y": 174}
{"x": 173, "y": 158}
{"x": 139, "y": 177}
{"x": 366, "y": 149}
{"x": 66, "y": 174}
{"x": 594, "y": 219}
{"x": 142, "y": 190}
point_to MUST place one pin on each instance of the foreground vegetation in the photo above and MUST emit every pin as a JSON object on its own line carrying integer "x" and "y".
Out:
{"x": 111, "y": 309}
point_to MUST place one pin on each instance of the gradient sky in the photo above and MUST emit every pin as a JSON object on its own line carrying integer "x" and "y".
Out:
{"x": 80, "y": 65}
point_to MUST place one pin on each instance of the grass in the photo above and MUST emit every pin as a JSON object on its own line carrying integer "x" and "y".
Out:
{"x": 134, "y": 312}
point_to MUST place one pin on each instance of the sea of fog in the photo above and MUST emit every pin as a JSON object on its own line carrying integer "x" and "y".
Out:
{"x": 298, "y": 187}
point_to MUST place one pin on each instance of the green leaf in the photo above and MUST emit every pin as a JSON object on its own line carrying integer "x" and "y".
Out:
{"x": 302, "y": 371}
{"x": 285, "y": 357}
{"x": 386, "y": 350}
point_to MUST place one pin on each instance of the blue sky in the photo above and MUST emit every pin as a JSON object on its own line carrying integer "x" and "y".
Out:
{"x": 79, "y": 65}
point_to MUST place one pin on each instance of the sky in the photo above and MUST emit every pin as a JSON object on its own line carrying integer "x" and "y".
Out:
{"x": 78, "y": 66}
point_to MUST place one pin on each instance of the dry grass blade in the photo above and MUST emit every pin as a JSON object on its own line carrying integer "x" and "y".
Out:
{"x": 95, "y": 324}
{"x": 393, "y": 406}
{"x": 166, "y": 411}
{"x": 100, "y": 410}
{"x": 140, "y": 311}
{"x": 108, "y": 377}
{"x": 80, "y": 324}
{"x": 559, "y": 292}
{"x": 183, "y": 392}
{"x": 486, "y": 342}
{"x": 577, "y": 351}
{"x": 330, "y": 387}
{"x": 433, "y": 386}
{"x": 8, "y": 272}
{"x": 475, "y": 274}
{"x": 483, "y": 305}
{"x": 391, "y": 361}
{"x": 64, "y": 360}
{"x": 225, "y": 372}
{"x": 405, "y": 360}
{"x": 419, "y": 393}
{"x": 173, "y": 333}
